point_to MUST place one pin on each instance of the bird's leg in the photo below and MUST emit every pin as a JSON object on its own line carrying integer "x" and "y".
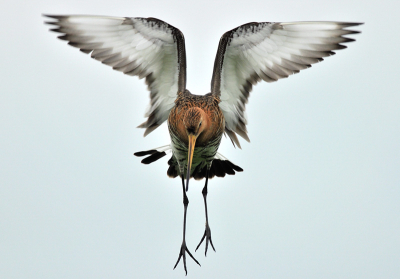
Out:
{"x": 184, "y": 249}
{"x": 207, "y": 232}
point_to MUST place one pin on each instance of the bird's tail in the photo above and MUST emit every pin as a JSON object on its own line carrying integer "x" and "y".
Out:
{"x": 219, "y": 167}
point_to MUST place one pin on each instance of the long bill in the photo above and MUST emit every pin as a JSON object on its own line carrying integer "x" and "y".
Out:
{"x": 192, "y": 143}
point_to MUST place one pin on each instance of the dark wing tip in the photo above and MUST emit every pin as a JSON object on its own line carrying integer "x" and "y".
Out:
{"x": 64, "y": 37}
{"x": 87, "y": 51}
{"x": 57, "y": 30}
{"x": 150, "y": 125}
{"x": 348, "y": 40}
{"x": 52, "y": 23}
{"x": 54, "y": 16}
{"x": 352, "y": 32}
{"x": 349, "y": 24}
{"x": 56, "y": 22}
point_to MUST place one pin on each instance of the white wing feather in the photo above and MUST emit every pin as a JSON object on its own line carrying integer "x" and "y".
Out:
{"x": 268, "y": 51}
{"x": 145, "y": 47}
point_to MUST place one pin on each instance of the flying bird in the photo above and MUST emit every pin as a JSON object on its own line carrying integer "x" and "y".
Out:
{"x": 155, "y": 50}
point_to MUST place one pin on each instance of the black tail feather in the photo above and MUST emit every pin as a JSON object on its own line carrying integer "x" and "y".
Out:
{"x": 144, "y": 153}
{"x": 199, "y": 174}
{"x": 234, "y": 167}
{"x": 154, "y": 156}
{"x": 172, "y": 171}
{"x": 218, "y": 168}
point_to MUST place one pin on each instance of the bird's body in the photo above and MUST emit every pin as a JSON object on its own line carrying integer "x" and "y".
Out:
{"x": 191, "y": 108}
{"x": 155, "y": 50}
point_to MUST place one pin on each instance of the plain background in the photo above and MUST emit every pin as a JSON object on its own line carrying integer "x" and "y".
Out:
{"x": 319, "y": 195}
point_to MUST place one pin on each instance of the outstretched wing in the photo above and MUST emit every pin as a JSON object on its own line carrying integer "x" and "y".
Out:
{"x": 268, "y": 51}
{"x": 144, "y": 47}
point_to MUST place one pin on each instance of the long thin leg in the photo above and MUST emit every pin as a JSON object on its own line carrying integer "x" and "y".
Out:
{"x": 207, "y": 232}
{"x": 184, "y": 249}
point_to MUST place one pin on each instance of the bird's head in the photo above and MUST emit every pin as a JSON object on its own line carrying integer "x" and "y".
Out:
{"x": 193, "y": 121}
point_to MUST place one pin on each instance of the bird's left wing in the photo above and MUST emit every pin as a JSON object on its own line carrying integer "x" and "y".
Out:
{"x": 268, "y": 51}
{"x": 144, "y": 47}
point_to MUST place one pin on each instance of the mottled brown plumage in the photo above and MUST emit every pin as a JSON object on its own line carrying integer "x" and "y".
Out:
{"x": 198, "y": 118}
{"x": 191, "y": 110}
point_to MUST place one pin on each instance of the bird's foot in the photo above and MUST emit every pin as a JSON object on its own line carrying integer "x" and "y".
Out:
{"x": 207, "y": 237}
{"x": 182, "y": 254}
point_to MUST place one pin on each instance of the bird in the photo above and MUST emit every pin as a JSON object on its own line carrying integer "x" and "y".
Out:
{"x": 152, "y": 49}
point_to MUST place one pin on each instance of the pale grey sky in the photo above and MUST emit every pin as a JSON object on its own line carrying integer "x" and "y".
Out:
{"x": 319, "y": 195}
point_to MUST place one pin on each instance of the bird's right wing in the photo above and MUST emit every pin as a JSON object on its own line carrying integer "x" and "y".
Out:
{"x": 144, "y": 47}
